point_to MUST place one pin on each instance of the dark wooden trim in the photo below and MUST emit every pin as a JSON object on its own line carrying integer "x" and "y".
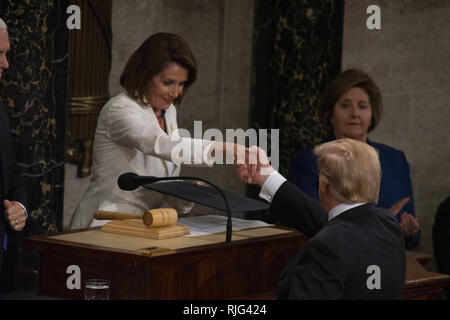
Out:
{"x": 242, "y": 269}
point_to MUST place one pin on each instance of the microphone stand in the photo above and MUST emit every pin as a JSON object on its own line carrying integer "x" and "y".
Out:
{"x": 229, "y": 224}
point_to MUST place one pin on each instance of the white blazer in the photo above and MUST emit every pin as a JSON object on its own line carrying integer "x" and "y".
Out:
{"x": 128, "y": 138}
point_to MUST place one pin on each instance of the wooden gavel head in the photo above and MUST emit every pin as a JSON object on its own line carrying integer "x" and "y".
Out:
{"x": 162, "y": 217}
{"x": 155, "y": 218}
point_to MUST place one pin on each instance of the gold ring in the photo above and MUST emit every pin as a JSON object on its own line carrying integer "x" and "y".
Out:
{"x": 16, "y": 222}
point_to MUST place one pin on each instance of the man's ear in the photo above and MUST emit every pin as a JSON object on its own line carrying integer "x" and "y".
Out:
{"x": 323, "y": 186}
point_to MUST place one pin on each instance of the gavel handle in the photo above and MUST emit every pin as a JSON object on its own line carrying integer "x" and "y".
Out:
{"x": 109, "y": 215}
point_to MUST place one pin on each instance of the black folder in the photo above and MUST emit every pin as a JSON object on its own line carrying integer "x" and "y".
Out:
{"x": 207, "y": 196}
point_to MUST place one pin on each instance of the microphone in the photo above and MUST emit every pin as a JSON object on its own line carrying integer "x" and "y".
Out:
{"x": 131, "y": 181}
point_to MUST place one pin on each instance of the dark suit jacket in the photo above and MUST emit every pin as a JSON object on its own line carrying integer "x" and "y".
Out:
{"x": 334, "y": 263}
{"x": 13, "y": 189}
{"x": 395, "y": 179}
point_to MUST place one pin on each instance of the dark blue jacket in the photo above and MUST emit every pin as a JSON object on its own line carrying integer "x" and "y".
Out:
{"x": 395, "y": 179}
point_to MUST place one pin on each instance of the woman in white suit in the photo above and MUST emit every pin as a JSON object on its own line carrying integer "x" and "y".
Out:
{"x": 137, "y": 132}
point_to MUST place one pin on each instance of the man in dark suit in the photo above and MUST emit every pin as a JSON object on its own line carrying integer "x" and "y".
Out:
{"x": 12, "y": 190}
{"x": 356, "y": 250}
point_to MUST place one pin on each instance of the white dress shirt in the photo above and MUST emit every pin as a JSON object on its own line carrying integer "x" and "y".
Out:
{"x": 342, "y": 208}
{"x": 274, "y": 182}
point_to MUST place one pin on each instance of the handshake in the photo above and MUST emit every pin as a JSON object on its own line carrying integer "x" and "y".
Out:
{"x": 252, "y": 165}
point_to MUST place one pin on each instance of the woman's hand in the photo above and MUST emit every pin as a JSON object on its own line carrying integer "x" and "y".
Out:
{"x": 409, "y": 224}
{"x": 396, "y": 207}
{"x": 237, "y": 154}
{"x": 259, "y": 173}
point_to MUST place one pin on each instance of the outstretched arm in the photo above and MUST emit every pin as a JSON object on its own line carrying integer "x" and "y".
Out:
{"x": 288, "y": 203}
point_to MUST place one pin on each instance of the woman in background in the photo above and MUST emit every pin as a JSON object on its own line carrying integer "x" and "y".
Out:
{"x": 351, "y": 107}
{"x": 137, "y": 132}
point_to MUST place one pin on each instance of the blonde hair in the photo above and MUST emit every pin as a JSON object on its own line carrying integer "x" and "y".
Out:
{"x": 351, "y": 168}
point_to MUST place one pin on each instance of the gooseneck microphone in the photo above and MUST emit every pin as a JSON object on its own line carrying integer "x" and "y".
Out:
{"x": 131, "y": 181}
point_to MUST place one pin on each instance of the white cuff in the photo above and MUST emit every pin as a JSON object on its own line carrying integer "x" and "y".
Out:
{"x": 24, "y": 209}
{"x": 271, "y": 186}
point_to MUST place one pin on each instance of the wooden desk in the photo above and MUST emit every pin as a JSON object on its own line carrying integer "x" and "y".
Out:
{"x": 421, "y": 284}
{"x": 190, "y": 268}
{"x": 181, "y": 268}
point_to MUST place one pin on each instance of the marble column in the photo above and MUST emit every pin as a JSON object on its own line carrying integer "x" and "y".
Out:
{"x": 34, "y": 92}
{"x": 297, "y": 53}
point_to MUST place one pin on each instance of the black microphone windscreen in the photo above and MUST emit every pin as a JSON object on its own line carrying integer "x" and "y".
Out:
{"x": 127, "y": 181}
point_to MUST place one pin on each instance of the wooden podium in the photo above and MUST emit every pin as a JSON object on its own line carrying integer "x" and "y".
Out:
{"x": 203, "y": 267}
{"x": 421, "y": 284}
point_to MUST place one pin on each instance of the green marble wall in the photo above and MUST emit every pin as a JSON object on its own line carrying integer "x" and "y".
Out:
{"x": 34, "y": 92}
{"x": 298, "y": 46}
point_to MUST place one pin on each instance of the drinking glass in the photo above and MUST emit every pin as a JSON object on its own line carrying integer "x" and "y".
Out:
{"x": 96, "y": 289}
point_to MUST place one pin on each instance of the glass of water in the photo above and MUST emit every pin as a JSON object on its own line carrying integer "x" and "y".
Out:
{"x": 96, "y": 289}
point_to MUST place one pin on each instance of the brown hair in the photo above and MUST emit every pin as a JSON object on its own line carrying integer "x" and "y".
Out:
{"x": 151, "y": 58}
{"x": 351, "y": 168}
{"x": 351, "y": 78}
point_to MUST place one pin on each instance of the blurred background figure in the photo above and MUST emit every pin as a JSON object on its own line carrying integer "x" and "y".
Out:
{"x": 351, "y": 107}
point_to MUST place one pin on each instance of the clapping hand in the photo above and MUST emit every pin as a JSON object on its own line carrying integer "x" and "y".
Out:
{"x": 408, "y": 223}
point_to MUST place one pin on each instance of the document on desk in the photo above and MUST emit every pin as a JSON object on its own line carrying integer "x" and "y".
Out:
{"x": 209, "y": 224}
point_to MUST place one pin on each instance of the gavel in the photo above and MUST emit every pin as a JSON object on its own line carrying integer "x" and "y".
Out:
{"x": 154, "y": 218}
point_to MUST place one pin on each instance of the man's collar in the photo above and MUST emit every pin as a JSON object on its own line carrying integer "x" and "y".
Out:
{"x": 342, "y": 208}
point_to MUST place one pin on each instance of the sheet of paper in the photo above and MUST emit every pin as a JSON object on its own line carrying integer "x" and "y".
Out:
{"x": 209, "y": 224}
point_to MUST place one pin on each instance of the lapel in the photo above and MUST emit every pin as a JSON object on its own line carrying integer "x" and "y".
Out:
{"x": 171, "y": 127}
{"x": 171, "y": 121}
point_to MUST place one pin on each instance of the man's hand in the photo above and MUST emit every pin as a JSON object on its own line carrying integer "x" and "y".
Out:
{"x": 14, "y": 214}
{"x": 246, "y": 159}
{"x": 259, "y": 172}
